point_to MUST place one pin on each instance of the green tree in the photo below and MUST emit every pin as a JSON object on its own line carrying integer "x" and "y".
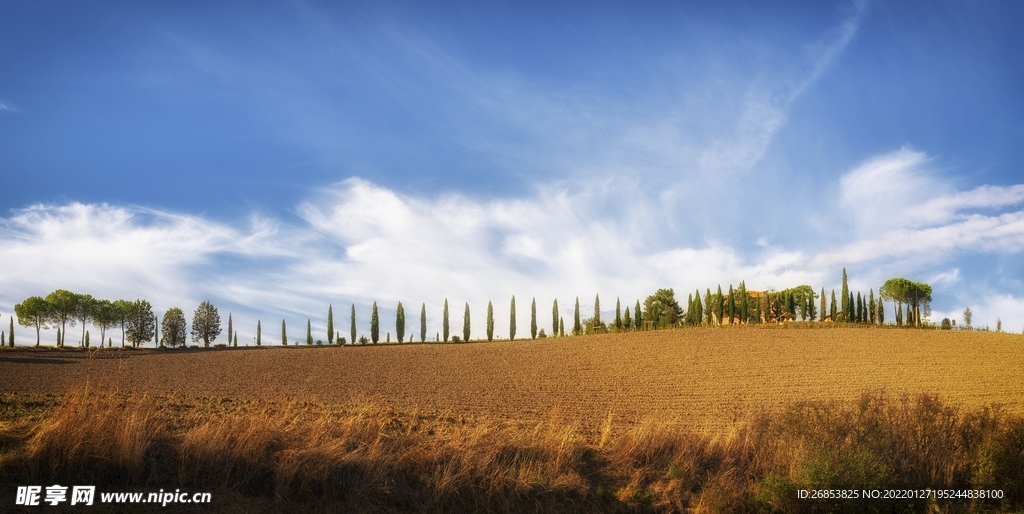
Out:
{"x": 577, "y": 327}
{"x": 231, "y": 328}
{"x": 512, "y": 320}
{"x": 235, "y": 339}
{"x": 174, "y": 328}
{"x": 34, "y": 312}
{"x": 352, "y": 324}
{"x": 205, "y": 323}
{"x": 309, "y": 332}
{"x": 968, "y": 317}
{"x": 627, "y": 320}
{"x": 533, "y": 318}
{"x": 845, "y": 298}
{"x": 661, "y": 309}
{"x": 638, "y": 317}
{"x": 466, "y": 325}
{"x": 122, "y": 311}
{"x": 400, "y": 322}
{"x": 10, "y": 336}
{"x": 284, "y": 334}
{"x": 374, "y": 325}
{"x": 741, "y": 296}
{"x": 698, "y": 307}
{"x": 330, "y": 324}
{"x": 709, "y": 311}
{"x": 832, "y": 308}
{"x": 490, "y": 322}
{"x": 561, "y": 327}
{"x": 871, "y": 306}
{"x": 916, "y": 295}
{"x": 83, "y": 305}
{"x": 554, "y": 317}
{"x": 444, "y": 323}
{"x": 618, "y": 315}
{"x": 824, "y": 309}
{"x": 104, "y": 317}
{"x": 719, "y": 306}
{"x": 259, "y": 333}
{"x": 142, "y": 323}
{"x": 597, "y": 311}
{"x": 62, "y": 310}
{"x": 423, "y": 323}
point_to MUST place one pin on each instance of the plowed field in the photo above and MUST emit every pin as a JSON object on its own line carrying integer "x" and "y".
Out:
{"x": 695, "y": 376}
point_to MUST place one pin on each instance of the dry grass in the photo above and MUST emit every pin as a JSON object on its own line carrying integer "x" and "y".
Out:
{"x": 303, "y": 457}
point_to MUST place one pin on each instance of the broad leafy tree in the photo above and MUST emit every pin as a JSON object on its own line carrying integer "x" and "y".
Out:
{"x": 174, "y": 328}
{"x": 141, "y": 323}
{"x": 62, "y": 310}
{"x": 661, "y": 309}
{"x": 34, "y": 312}
{"x": 206, "y": 324}
{"x": 104, "y": 316}
{"x": 85, "y": 305}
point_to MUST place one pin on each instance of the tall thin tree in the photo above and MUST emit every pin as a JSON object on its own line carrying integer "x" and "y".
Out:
{"x": 423, "y": 322}
{"x": 533, "y": 318}
{"x": 400, "y": 322}
{"x": 330, "y": 324}
{"x": 284, "y": 334}
{"x": 352, "y": 325}
{"x": 309, "y": 332}
{"x": 554, "y": 318}
{"x": 577, "y": 327}
{"x": 374, "y": 324}
{"x": 618, "y": 315}
{"x": 512, "y": 320}
{"x": 465, "y": 325}
{"x": 259, "y": 334}
{"x": 444, "y": 323}
{"x": 490, "y": 322}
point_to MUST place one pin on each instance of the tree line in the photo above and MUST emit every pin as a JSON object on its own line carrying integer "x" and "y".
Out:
{"x": 736, "y": 306}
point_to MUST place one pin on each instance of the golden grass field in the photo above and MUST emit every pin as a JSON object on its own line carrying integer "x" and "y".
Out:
{"x": 733, "y": 419}
{"x": 689, "y": 376}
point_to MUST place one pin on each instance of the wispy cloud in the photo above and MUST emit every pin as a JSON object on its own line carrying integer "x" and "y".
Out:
{"x": 7, "y": 106}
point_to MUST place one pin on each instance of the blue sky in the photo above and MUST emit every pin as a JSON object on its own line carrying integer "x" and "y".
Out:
{"x": 275, "y": 158}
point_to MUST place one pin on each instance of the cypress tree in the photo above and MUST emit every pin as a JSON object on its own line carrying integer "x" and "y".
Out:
{"x": 230, "y": 328}
{"x": 708, "y": 308}
{"x": 597, "y": 311}
{"x": 638, "y": 318}
{"x": 577, "y": 327}
{"x": 627, "y": 321}
{"x": 86, "y": 338}
{"x": 58, "y": 336}
{"x": 845, "y": 296}
{"x": 444, "y": 323}
{"x": 618, "y": 315}
{"x": 554, "y": 317}
{"x": 235, "y": 343}
{"x": 849, "y": 305}
{"x": 259, "y": 334}
{"x": 466, "y": 325}
{"x": 330, "y": 324}
{"x": 400, "y": 322}
{"x": 871, "y": 306}
{"x": 284, "y": 335}
{"x": 832, "y": 309}
{"x": 561, "y": 327}
{"x": 688, "y": 319}
{"x": 490, "y": 322}
{"x": 824, "y": 312}
{"x": 742, "y": 293}
{"x": 718, "y": 305}
{"x": 352, "y": 325}
{"x": 699, "y": 318}
{"x": 309, "y": 333}
{"x": 811, "y": 314}
{"x": 512, "y": 320}
{"x": 860, "y": 308}
{"x": 423, "y": 323}
{"x": 533, "y": 318}
{"x": 374, "y": 325}
{"x": 732, "y": 304}
{"x": 10, "y": 335}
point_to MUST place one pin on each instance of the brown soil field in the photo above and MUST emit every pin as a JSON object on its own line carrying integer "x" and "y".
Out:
{"x": 696, "y": 377}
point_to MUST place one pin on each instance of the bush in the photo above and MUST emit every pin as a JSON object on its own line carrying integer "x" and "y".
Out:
{"x": 946, "y": 325}
{"x": 364, "y": 340}
{"x": 455, "y": 339}
{"x": 541, "y": 334}
{"x": 342, "y": 341}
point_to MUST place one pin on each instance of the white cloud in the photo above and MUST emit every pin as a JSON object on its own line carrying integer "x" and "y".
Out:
{"x": 7, "y": 106}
